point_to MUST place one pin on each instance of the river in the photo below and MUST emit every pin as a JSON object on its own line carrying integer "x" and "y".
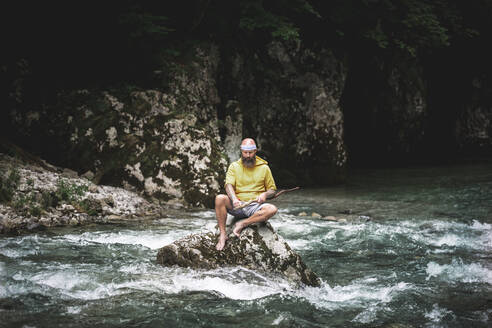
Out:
{"x": 416, "y": 252}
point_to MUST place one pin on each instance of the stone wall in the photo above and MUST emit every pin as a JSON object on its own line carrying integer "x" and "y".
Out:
{"x": 287, "y": 99}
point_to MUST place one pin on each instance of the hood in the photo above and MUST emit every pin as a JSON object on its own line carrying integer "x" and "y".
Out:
{"x": 260, "y": 161}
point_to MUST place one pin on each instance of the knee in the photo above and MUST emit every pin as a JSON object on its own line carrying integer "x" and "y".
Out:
{"x": 221, "y": 200}
{"x": 272, "y": 210}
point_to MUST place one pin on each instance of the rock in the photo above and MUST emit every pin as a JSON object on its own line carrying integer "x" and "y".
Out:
{"x": 45, "y": 221}
{"x": 93, "y": 206}
{"x": 89, "y": 175}
{"x": 66, "y": 208}
{"x": 114, "y": 217}
{"x": 330, "y": 218}
{"x": 109, "y": 200}
{"x": 34, "y": 226}
{"x": 70, "y": 173}
{"x": 258, "y": 248}
{"x": 92, "y": 188}
{"x": 315, "y": 215}
{"x": 302, "y": 214}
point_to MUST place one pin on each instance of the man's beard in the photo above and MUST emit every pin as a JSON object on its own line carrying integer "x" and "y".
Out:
{"x": 248, "y": 162}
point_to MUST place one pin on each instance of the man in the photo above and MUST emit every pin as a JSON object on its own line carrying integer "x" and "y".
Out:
{"x": 247, "y": 179}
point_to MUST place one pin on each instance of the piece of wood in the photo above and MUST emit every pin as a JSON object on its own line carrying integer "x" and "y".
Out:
{"x": 278, "y": 193}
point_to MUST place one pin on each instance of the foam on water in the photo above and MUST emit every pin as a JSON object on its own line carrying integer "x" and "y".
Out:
{"x": 437, "y": 314}
{"x": 3, "y": 273}
{"x": 356, "y": 294}
{"x": 373, "y": 272}
{"x": 150, "y": 239}
{"x": 436, "y": 236}
{"x": 237, "y": 290}
{"x": 18, "y": 248}
{"x": 458, "y": 271}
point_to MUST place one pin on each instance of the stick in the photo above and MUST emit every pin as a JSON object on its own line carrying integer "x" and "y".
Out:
{"x": 278, "y": 193}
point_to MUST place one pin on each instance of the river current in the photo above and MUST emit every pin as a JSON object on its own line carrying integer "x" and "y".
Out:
{"x": 415, "y": 251}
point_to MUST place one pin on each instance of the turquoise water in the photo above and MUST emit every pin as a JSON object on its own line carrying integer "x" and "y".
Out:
{"x": 414, "y": 250}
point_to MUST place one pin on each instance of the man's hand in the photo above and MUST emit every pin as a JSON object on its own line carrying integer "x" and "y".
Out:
{"x": 261, "y": 198}
{"x": 236, "y": 202}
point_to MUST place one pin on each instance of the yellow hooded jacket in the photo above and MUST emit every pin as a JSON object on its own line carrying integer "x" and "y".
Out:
{"x": 250, "y": 182}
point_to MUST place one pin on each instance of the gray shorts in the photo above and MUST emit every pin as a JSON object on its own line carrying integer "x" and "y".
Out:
{"x": 246, "y": 211}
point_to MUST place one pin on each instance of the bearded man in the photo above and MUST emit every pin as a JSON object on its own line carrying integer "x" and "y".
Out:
{"x": 248, "y": 180}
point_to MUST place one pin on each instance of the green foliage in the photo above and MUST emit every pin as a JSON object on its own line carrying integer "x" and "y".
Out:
{"x": 135, "y": 39}
{"x": 274, "y": 17}
{"x": 9, "y": 184}
{"x": 27, "y": 203}
{"x": 33, "y": 202}
{"x": 49, "y": 199}
{"x": 69, "y": 192}
{"x": 143, "y": 24}
{"x": 88, "y": 207}
{"x": 410, "y": 26}
{"x": 35, "y": 210}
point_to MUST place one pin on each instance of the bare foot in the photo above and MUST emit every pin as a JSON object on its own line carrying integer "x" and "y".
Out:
{"x": 238, "y": 228}
{"x": 221, "y": 244}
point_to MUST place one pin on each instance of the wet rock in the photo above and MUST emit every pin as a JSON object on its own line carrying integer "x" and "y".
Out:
{"x": 258, "y": 248}
{"x": 302, "y": 214}
{"x": 315, "y": 215}
{"x": 330, "y": 218}
{"x": 34, "y": 226}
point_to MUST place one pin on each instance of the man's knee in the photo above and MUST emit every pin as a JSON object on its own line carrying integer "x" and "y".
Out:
{"x": 221, "y": 200}
{"x": 270, "y": 209}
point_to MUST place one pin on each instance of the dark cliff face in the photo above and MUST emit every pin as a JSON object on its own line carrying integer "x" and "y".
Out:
{"x": 403, "y": 111}
{"x": 385, "y": 107}
{"x": 288, "y": 99}
{"x": 312, "y": 111}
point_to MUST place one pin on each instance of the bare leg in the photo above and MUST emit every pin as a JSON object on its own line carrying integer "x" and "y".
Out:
{"x": 262, "y": 215}
{"x": 222, "y": 203}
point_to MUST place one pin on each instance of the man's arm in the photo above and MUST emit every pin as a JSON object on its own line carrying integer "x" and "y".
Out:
{"x": 232, "y": 195}
{"x": 270, "y": 187}
{"x": 265, "y": 195}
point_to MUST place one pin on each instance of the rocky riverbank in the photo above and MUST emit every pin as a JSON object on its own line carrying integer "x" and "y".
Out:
{"x": 37, "y": 195}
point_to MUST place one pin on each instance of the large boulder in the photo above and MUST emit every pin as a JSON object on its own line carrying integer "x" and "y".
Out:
{"x": 161, "y": 142}
{"x": 258, "y": 248}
